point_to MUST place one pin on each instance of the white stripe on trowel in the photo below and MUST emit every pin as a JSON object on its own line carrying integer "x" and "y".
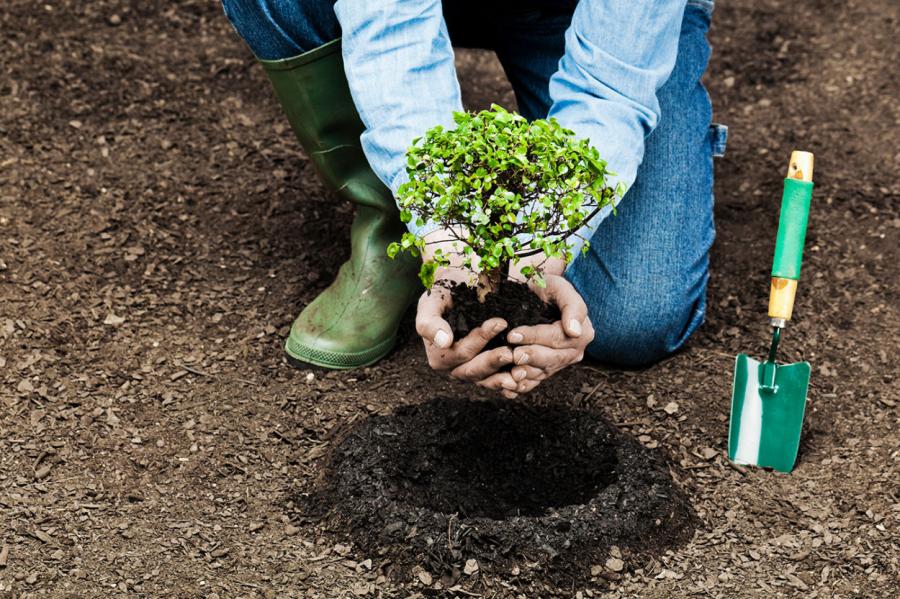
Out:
{"x": 751, "y": 423}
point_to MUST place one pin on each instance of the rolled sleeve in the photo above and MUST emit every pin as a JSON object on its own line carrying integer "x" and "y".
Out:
{"x": 399, "y": 64}
{"x": 618, "y": 55}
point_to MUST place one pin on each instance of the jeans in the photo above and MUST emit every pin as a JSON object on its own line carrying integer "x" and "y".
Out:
{"x": 644, "y": 277}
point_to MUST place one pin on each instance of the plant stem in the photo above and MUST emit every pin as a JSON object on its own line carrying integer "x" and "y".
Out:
{"x": 488, "y": 282}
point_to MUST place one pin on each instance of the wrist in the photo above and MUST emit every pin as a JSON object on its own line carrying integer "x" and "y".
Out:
{"x": 448, "y": 241}
{"x": 549, "y": 266}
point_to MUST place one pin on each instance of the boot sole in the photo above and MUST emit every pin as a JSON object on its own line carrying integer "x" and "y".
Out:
{"x": 300, "y": 355}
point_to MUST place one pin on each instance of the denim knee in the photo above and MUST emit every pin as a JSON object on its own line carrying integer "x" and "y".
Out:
{"x": 645, "y": 327}
{"x": 278, "y": 29}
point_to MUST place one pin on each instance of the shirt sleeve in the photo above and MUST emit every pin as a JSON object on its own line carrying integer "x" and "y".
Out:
{"x": 618, "y": 54}
{"x": 399, "y": 63}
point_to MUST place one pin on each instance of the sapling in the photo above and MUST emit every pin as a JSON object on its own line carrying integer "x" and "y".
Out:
{"x": 505, "y": 188}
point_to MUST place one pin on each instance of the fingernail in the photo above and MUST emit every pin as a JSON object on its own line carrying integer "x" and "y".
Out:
{"x": 575, "y": 328}
{"x": 515, "y": 337}
{"x": 523, "y": 359}
{"x": 505, "y": 358}
{"x": 442, "y": 339}
{"x": 499, "y": 326}
{"x": 506, "y": 385}
{"x": 518, "y": 375}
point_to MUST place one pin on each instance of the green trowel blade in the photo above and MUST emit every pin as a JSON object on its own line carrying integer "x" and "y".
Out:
{"x": 766, "y": 421}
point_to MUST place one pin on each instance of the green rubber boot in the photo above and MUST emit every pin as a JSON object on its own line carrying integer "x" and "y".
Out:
{"x": 354, "y": 321}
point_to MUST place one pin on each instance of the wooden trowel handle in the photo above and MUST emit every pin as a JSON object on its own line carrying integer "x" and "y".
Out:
{"x": 792, "y": 222}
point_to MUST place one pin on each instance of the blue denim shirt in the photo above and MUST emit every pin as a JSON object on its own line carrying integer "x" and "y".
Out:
{"x": 399, "y": 63}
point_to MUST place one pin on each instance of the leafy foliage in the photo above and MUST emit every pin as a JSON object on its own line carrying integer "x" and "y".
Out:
{"x": 505, "y": 187}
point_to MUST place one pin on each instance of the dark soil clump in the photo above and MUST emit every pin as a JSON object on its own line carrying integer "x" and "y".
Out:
{"x": 513, "y": 302}
{"x": 547, "y": 490}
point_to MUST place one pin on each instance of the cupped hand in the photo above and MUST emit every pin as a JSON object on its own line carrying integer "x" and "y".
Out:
{"x": 541, "y": 351}
{"x": 463, "y": 359}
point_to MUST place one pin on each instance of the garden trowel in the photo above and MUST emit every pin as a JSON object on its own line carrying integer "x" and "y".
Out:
{"x": 768, "y": 399}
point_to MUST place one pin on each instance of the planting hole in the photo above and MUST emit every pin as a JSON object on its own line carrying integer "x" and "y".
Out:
{"x": 487, "y": 460}
{"x": 539, "y": 487}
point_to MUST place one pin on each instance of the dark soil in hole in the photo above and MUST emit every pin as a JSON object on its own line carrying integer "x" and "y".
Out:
{"x": 496, "y": 463}
{"x": 513, "y": 302}
{"x": 544, "y": 489}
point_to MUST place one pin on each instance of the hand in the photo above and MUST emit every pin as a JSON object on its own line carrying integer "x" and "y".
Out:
{"x": 463, "y": 359}
{"x": 543, "y": 350}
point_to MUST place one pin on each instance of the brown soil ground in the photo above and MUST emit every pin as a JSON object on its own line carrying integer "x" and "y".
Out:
{"x": 159, "y": 229}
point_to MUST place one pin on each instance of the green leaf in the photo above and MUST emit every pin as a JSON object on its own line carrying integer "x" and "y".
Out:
{"x": 510, "y": 184}
{"x": 426, "y": 274}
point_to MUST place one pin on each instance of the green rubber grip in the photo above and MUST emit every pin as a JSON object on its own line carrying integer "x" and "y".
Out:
{"x": 792, "y": 229}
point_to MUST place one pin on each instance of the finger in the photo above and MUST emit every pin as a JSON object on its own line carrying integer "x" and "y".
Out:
{"x": 466, "y": 349}
{"x": 472, "y": 344}
{"x": 499, "y": 382}
{"x": 571, "y": 304}
{"x": 547, "y": 359}
{"x": 484, "y": 364}
{"x": 587, "y": 334}
{"x": 548, "y": 335}
{"x": 509, "y": 394}
{"x": 441, "y": 359}
{"x": 519, "y": 373}
{"x": 527, "y": 385}
{"x": 430, "y": 324}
